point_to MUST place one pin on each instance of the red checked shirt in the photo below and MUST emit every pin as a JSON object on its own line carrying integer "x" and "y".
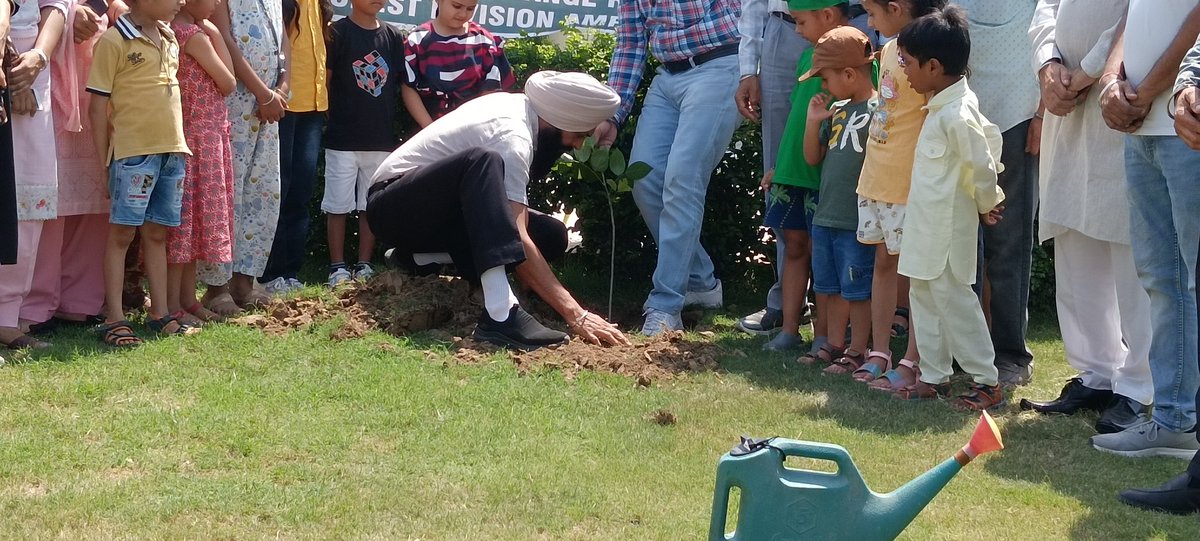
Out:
{"x": 674, "y": 30}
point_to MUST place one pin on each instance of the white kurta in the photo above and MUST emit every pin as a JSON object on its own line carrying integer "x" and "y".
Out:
{"x": 1082, "y": 160}
{"x": 953, "y": 182}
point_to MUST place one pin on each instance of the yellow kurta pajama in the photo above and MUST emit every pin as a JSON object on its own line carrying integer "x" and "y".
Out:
{"x": 953, "y": 182}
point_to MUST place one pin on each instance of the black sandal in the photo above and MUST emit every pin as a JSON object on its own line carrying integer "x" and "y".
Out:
{"x": 898, "y": 330}
{"x": 119, "y": 334}
{"x": 160, "y": 325}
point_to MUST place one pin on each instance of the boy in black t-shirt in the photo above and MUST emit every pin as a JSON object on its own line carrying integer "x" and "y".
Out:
{"x": 364, "y": 57}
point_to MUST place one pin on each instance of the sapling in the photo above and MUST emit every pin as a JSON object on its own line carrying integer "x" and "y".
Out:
{"x": 608, "y": 167}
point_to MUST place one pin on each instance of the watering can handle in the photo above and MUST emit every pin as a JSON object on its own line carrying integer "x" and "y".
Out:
{"x": 820, "y": 451}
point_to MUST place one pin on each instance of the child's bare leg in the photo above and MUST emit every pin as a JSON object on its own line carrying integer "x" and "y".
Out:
{"x": 795, "y": 287}
{"x": 174, "y": 277}
{"x": 795, "y": 277}
{"x": 187, "y": 286}
{"x": 154, "y": 250}
{"x": 838, "y": 316}
{"x": 860, "y": 325}
{"x": 883, "y": 298}
{"x": 335, "y": 229}
{"x": 119, "y": 238}
{"x": 182, "y": 286}
{"x": 366, "y": 239}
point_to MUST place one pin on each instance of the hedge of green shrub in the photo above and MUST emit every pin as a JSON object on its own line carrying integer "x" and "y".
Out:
{"x": 733, "y": 214}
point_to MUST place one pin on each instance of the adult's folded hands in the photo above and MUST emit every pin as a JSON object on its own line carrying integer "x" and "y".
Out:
{"x": 1187, "y": 116}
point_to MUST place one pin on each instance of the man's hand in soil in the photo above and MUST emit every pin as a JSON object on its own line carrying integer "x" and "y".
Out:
{"x": 593, "y": 329}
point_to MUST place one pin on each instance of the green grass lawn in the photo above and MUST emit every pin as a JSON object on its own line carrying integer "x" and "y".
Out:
{"x": 232, "y": 434}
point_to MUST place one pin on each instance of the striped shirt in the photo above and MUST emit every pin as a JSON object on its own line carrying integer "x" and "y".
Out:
{"x": 675, "y": 30}
{"x": 446, "y": 71}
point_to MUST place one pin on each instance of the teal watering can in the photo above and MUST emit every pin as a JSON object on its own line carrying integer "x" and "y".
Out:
{"x": 784, "y": 504}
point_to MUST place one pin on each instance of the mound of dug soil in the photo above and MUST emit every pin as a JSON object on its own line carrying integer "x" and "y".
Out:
{"x": 653, "y": 359}
{"x": 400, "y": 304}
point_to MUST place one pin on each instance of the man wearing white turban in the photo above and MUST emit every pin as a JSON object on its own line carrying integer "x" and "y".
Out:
{"x": 458, "y": 189}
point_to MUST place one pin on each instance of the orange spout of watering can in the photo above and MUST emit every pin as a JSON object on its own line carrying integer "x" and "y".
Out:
{"x": 784, "y": 504}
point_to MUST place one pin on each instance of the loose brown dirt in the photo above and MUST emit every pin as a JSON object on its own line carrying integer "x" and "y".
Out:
{"x": 400, "y": 304}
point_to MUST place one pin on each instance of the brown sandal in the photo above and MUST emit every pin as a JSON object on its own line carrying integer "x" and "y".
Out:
{"x": 848, "y": 363}
{"x": 923, "y": 391}
{"x": 826, "y": 354}
{"x": 980, "y": 397}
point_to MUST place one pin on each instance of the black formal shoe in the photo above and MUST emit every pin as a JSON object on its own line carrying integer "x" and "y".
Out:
{"x": 519, "y": 331}
{"x": 1074, "y": 397}
{"x": 1122, "y": 412}
{"x": 1179, "y": 496}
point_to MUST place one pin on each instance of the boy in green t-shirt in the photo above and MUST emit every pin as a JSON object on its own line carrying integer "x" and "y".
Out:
{"x": 793, "y": 184}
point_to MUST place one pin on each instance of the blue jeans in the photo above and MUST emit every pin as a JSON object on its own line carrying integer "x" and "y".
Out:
{"x": 1164, "y": 192}
{"x": 299, "y": 146}
{"x": 686, "y": 124}
{"x": 1008, "y": 250}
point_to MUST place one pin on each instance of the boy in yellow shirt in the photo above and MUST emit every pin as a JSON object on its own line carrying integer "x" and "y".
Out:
{"x": 134, "y": 72}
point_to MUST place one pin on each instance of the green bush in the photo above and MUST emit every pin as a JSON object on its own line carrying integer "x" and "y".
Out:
{"x": 733, "y": 214}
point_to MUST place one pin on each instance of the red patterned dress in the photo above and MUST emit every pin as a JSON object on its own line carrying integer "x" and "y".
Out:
{"x": 205, "y": 231}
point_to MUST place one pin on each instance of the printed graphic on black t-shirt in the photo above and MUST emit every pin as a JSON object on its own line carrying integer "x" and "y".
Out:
{"x": 364, "y": 92}
{"x": 371, "y": 72}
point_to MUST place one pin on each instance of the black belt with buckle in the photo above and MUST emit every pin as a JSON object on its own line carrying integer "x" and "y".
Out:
{"x": 680, "y": 66}
{"x": 785, "y": 16}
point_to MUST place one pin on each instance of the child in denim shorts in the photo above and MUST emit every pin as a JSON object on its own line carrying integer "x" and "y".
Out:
{"x": 836, "y": 140}
{"x": 134, "y": 72}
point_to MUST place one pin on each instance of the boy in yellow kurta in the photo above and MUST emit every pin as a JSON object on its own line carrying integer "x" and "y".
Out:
{"x": 953, "y": 189}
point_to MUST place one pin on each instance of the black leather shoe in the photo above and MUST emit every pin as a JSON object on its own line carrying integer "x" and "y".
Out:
{"x": 1179, "y": 496}
{"x": 1074, "y": 397}
{"x": 519, "y": 331}
{"x": 1122, "y": 412}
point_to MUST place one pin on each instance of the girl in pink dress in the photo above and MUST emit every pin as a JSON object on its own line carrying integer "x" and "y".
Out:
{"x": 206, "y": 230}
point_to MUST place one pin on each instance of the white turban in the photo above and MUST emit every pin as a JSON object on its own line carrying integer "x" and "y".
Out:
{"x": 571, "y": 101}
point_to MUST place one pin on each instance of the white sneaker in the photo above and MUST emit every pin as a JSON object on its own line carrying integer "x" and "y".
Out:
{"x": 363, "y": 272}
{"x": 294, "y": 284}
{"x": 1148, "y": 439}
{"x": 339, "y": 277}
{"x": 658, "y": 322}
{"x": 711, "y": 299}
{"x": 278, "y": 286}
